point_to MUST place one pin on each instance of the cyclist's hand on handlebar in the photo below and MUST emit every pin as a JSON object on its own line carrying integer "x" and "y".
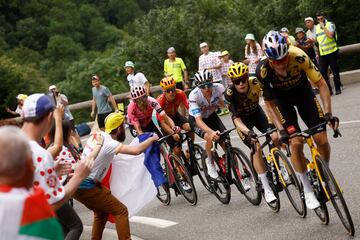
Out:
{"x": 215, "y": 136}
{"x": 252, "y": 137}
{"x": 332, "y": 121}
{"x": 176, "y": 129}
{"x": 284, "y": 137}
{"x": 176, "y": 137}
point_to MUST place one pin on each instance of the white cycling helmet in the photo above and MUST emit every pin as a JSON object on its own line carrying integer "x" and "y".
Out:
{"x": 202, "y": 77}
{"x": 137, "y": 92}
{"x": 275, "y": 45}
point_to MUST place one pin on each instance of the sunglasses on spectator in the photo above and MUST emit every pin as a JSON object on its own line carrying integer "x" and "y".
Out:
{"x": 320, "y": 19}
{"x": 279, "y": 62}
{"x": 206, "y": 85}
{"x": 243, "y": 80}
{"x": 170, "y": 90}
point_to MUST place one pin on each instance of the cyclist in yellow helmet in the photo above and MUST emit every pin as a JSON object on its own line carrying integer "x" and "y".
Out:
{"x": 243, "y": 99}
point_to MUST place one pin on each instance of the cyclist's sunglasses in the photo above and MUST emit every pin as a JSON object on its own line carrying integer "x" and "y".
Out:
{"x": 206, "y": 85}
{"x": 243, "y": 80}
{"x": 279, "y": 62}
{"x": 170, "y": 90}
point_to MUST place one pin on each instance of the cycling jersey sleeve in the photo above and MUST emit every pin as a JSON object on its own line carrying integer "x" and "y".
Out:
{"x": 262, "y": 76}
{"x": 130, "y": 112}
{"x": 195, "y": 109}
{"x": 184, "y": 99}
{"x": 155, "y": 105}
{"x": 309, "y": 68}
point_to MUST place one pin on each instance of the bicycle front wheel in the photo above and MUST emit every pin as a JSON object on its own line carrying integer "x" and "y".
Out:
{"x": 290, "y": 183}
{"x": 163, "y": 192}
{"x": 183, "y": 179}
{"x": 245, "y": 176}
{"x": 198, "y": 151}
{"x": 220, "y": 186}
{"x": 336, "y": 196}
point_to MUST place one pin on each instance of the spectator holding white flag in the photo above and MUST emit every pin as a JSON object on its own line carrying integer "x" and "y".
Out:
{"x": 97, "y": 197}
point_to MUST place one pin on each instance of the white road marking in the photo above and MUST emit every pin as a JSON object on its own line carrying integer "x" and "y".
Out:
{"x": 155, "y": 222}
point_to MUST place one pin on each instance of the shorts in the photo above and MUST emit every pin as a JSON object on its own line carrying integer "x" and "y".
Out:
{"x": 213, "y": 122}
{"x": 179, "y": 120}
{"x": 101, "y": 119}
{"x": 259, "y": 120}
{"x": 307, "y": 106}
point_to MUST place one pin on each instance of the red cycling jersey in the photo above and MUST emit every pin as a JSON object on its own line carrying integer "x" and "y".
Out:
{"x": 172, "y": 107}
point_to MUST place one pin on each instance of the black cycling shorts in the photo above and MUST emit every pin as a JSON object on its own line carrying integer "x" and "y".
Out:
{"x": 259, "y": 120}
{"x": 179, "y": 120}
{"x": 307, "y": 105}
{"x": 213, "y": 122}
{"x": 149, "y": 128}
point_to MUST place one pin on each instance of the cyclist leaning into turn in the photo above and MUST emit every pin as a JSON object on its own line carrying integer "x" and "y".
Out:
{"x": 204, "y": 100}
{"x": 284, "y": 75}
{"x": 243, "y": 98}
{"x": 175, "y": 103}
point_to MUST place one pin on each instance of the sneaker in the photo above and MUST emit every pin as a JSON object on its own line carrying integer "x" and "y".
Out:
{"x": 311, "y": 201}
{"x": 185, "y": 186}
{"x": 337, "y": 92}
{"x": 211, "y": 169}
{"x": 342, "y": 87}
{"x": 269, "y": 196}
{"x": 246, "y": 186}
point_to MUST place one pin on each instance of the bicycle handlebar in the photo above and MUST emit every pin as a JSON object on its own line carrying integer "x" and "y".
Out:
{"x": 162, "y": 139}
{"x": 311, "y": 131}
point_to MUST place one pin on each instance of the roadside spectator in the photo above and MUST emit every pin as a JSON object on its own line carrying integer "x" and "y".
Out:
{"x": 226, "y": 63}
{"x": 38, "y": 116}
{"x": 175, "y": 67}
{"x": 311, "y": 36}
{"x": 210, "y": 61}
{"x": 253, "y": 53}
{"x": 24, "y": 210}
{"x": 136, "y": 78}
{"x": 101, "y": 98}
{"x": 97, "y": 197}
{"x": 289, "y": 38}
{"x": 307, "y": 46}
{"x": 326, "y": 37}
{"x": 61, "y": 98}
{"x": 18, "y": 112}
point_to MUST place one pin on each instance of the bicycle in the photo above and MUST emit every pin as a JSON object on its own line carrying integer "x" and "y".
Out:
{"x": 233, "y": 168}
{"x": 324, "y": 183}
{"x": 281, "y": 175}
{"x": 192, "y": 158}
{"x": 177, "y": 175}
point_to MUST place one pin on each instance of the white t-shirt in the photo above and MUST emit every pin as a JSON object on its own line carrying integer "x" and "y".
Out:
{"x": 136, "y": 79}
{"x": 45, "y": 175}
{"x": 104, "y": 158}
{"x": 199, "y": 106}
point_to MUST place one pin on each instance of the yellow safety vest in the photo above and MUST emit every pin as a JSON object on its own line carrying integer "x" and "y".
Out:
{"x": 326, "y": 45}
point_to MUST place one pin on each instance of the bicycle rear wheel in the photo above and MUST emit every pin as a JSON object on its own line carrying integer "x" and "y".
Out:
{"x": 336, "y": 197}
{"x": 198, "y": 151}
{"x": 183, "y": 179}
{"x": 220, "y": 186}
{"x": 163, "y": 192}
{"x": 291, "y": 183}
{"x": 245, "y": 177}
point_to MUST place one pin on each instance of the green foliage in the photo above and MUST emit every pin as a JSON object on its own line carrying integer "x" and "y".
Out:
{"x": 65, "y": 42}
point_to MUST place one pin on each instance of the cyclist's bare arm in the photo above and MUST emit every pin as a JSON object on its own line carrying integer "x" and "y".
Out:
{"x": 138, "y": 149}
{"x": 182, "y": 109}
{"x": 324, "y": 95}
{"x": 169, "y": 121}
{"x": 273, "y": 113}
{"x": 241, "y": 126}
{"x": 138, "y": 128}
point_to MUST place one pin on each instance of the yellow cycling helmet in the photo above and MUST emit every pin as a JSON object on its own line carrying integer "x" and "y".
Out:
{"x": 113, "y": 121}
{"x": 238, "y": 70}
{"x": 167, "y": 83}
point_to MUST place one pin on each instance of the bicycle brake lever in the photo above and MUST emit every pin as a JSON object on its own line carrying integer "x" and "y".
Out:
{"x": 337, "y": 133}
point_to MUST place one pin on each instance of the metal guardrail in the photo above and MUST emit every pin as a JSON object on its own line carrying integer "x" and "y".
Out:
{"x": 343, "y": 50}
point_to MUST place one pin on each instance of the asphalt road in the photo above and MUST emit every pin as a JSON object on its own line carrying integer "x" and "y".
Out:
{"x": 211, "y": 220}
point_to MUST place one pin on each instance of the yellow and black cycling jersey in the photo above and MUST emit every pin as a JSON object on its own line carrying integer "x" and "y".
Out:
{"x": 244, "y": 104}
{"x": 300, "y": 68}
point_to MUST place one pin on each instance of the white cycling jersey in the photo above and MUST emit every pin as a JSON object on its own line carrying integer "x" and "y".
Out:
{"x": 199, "y": 106}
